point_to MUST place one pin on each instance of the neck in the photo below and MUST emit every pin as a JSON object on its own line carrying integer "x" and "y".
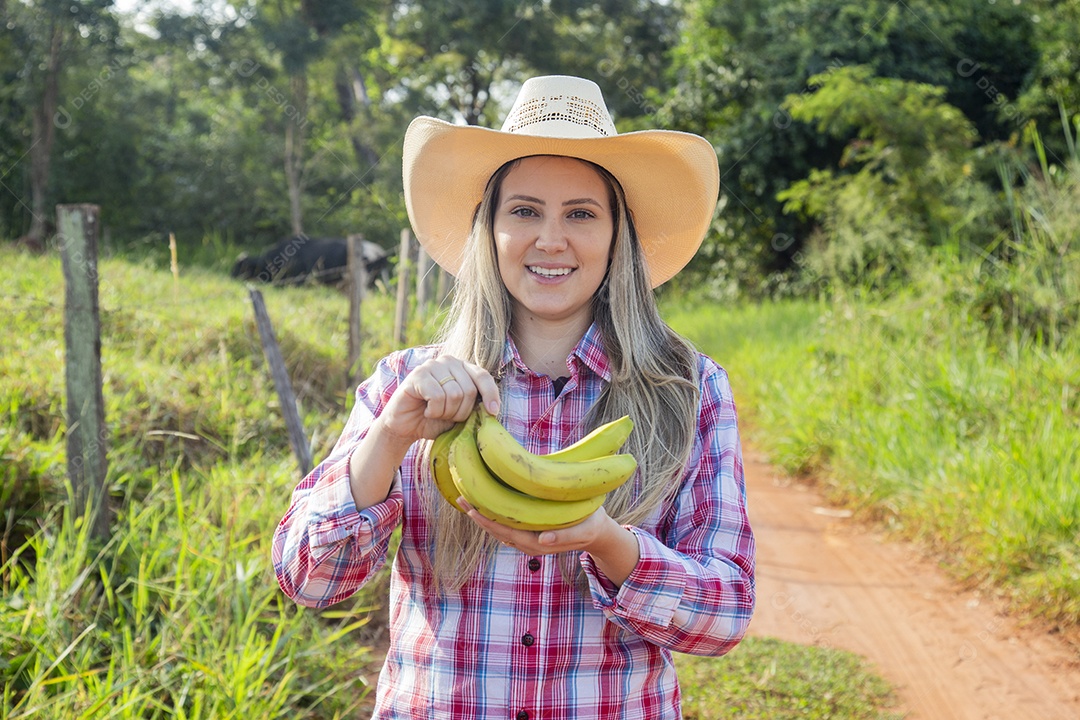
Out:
{"x": 544, "y": 345}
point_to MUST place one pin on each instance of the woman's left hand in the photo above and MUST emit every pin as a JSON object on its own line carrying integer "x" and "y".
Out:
{"x": 613, "y": 547}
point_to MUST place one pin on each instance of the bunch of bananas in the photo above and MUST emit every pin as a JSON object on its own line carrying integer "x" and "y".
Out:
{"x": 481, "y": 461}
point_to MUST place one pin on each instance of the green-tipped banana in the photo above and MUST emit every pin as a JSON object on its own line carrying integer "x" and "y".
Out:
{"x": 503, "y": 504}
{"x": 440, "y": 465}
{"x": 604, "y": 440}
{"x": 543, "y": 477}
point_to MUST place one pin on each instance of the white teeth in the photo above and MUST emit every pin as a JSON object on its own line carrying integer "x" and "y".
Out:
{"x": 549, "y": 272}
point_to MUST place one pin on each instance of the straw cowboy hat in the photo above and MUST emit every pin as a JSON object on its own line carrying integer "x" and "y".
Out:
{"x": 671, "y": 179}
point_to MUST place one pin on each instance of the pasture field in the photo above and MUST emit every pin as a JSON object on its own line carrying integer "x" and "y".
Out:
{"x": 179, "y": 615}
{"x": 912, "y": 413}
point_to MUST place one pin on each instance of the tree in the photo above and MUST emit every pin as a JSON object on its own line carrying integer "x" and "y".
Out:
{"x": 49, "y": 35}
{"x": 300, "y": 31}
{"x": 740, "y": 59}
{"x": 625, "y": 47}
{"x": 458, "y": 53}
{"x": 900, "y": 186}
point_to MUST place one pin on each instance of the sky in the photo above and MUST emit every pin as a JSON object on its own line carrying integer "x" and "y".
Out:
{"x": 143, "y": 10}
{"x": 142, "y": 7}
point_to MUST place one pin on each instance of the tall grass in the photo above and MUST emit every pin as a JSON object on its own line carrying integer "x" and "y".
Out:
{"x": 921, "y": 416}
{"x": 176, "y": 616}
{"x": 950, "y": 408}
{"x": 179, "y": 615}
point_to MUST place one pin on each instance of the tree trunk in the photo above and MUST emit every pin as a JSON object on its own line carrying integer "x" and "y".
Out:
{"x": 353, "y": 99}
{"x": 476, "y": 93}
{"x": 43, "y": 134}
{"x": 296, "y": 122}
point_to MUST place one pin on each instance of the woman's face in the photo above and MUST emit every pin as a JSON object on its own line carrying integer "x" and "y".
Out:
{"x": 553, "y": 235}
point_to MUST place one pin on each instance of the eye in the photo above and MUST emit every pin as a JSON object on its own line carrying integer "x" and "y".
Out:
{"x": 581, "y": 214}
{"x": 523, "y": 211}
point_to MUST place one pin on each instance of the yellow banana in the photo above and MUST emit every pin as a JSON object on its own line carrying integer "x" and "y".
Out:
{"x": 604, "y": 440}
{"x": 543, "y": 477}
{"x": 503, "y": 504}
{"x": 440, "y": 464}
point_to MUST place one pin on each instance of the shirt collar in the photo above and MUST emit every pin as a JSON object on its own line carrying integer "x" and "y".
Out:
{"x": 589, "y": 352}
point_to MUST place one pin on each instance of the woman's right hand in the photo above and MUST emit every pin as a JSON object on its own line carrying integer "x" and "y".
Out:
{"x": 430, "y": 399}
{"x": 435, "y": 395}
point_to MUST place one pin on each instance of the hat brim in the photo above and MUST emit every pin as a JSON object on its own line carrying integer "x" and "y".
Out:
{"x": 671, "y": 180}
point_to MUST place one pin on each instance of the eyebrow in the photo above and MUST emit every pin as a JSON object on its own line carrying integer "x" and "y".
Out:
{"x": 538, "y": 201}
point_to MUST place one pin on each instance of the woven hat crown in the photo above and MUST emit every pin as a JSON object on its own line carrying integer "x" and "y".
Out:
{"x": 560, "y": 106}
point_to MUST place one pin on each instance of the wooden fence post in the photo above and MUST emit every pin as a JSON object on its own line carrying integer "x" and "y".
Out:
{"x": 443, "y": 287}
{"x": 424, "y": 282}
{"x": 401, "y": 317}
{"x": 174, "y": 266}
{"x": 87, "y": 463}
{"x": 297, "y": 439}
{"x": 357, "y": 285}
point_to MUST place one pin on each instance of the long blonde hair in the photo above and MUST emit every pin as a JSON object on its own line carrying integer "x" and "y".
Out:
{"x": 654, "y": 376}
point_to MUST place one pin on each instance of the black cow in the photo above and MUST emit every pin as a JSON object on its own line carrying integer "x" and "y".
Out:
{"x": 300, "y": 257}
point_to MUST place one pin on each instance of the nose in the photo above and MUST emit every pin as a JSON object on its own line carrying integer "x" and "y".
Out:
{"x": 552, "y": 236}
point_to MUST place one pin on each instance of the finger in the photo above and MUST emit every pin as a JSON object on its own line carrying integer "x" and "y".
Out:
{"x": 490, "y": 526}
{"x": 434, "y": 395}
{"x": 548, "y": 538}
{"x": 446, "y": 388}
{"x": 502, "y": 533}
{"x": 445, "y": 379}
{"x": 459, "y": 394}
{"x": 486, "y": 386}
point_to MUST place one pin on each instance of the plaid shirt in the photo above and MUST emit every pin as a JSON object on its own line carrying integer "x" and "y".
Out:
{"x": 518, "y": 641}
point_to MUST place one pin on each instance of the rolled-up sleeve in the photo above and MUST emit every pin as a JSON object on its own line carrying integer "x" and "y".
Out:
{"x": 692, "y": 589}
{"x": 324, "y": 549}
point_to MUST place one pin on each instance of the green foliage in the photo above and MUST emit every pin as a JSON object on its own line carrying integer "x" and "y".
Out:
{"x": 908, "y": 185}
{"x": 765, "y": 679}
{"x": 913, "y": 412}
{"x": 465, "y": 49}
{"x": 739, "y": 61}
{"x": 901, "y": 180}
{"x": 623, "y": 46}
{"x": 42, "y": 41}
{"x": 1053, "y": 81}
{"x": 1028, "y": 286}
{"x": 184, "y": 374}
{"x": 182, "y": 128}
{"x": 467, "y": 57}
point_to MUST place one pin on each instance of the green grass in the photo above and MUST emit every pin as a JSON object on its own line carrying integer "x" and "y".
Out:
{"x": 915, "y": 414}
{"x": 179, "y": 615}
{"x": 766, "y": 679}
{"x": 176, "y": 616}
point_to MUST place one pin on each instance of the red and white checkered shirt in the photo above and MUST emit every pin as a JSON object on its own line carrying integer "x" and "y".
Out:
{"x": 518, "y": 641}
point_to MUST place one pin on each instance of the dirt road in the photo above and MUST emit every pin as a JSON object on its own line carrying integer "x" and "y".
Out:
{"x": 824, "y": 580}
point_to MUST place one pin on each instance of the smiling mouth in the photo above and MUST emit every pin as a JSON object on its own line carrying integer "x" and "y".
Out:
{"x": 550, "y": 272}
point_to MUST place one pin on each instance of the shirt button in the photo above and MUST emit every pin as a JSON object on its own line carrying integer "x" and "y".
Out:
{"x": 527, "y": 639}
{"x": 534, "y": 564}
{"x": 522, "y": 715}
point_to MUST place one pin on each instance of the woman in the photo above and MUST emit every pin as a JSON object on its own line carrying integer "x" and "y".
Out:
{"x": 558, "y": 229}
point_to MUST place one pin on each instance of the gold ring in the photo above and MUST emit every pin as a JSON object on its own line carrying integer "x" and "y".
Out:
{"x": 446, "y": 379}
